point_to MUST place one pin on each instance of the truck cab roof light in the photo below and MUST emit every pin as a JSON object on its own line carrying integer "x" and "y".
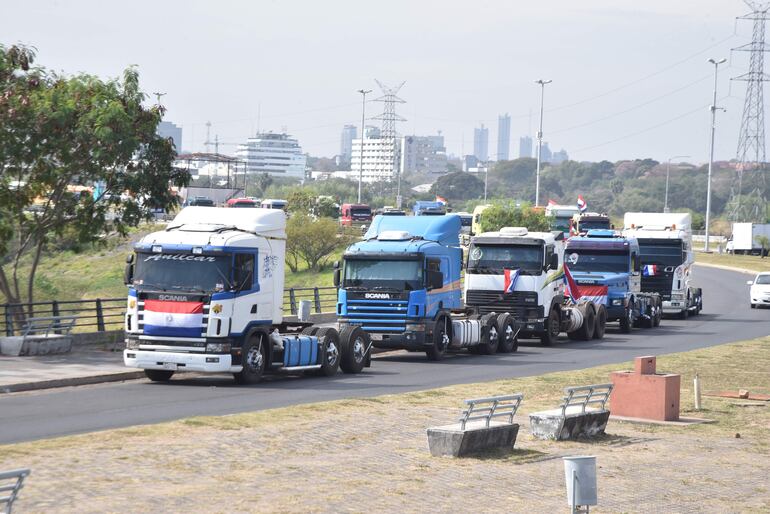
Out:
{"x": 197, "y": 250}
{"x": 157, "y": 249}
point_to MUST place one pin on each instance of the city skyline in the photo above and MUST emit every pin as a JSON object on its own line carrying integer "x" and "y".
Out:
{"x": 634, "y": 98}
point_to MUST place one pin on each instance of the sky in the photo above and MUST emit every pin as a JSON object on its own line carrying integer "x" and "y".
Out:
{"x": 630, "y": 79}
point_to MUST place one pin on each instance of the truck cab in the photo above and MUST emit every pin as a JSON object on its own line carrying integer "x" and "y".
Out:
{"x": 423, "y": 208}
{"x": 401, "y": 282}
{"x": 354, "y": 214}
{"x": 583, "y": 222}
{"x": 560, "y": 217}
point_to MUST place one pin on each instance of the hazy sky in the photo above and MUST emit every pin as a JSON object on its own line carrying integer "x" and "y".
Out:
{"x": 630, "y": 78}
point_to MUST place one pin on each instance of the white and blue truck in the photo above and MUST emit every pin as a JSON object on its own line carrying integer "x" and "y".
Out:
{"x": 400, "y": 288}
{"x": 206, "y": 295}
{"x": 607, "y": 267}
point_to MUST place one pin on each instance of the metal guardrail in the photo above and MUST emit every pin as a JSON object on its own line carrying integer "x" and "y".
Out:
{"x": 47, "y": 325}
{"x": 323, "y": 299}
{"x": 585, "y": 395}
{"x": 101, "y": 313}
{"x": 11, "y": 483}
{"x": 493, "y": 407}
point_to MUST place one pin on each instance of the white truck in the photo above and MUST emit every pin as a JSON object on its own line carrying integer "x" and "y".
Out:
{"x": 665, "y": 247}
{"x": 744, "y": 238}
{"x": 206, "y": 295}
{"x": 561, "y": 217}
{"x": 535, "y": 298}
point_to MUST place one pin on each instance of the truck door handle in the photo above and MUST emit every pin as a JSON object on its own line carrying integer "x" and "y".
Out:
{"x": 254, "y": 309}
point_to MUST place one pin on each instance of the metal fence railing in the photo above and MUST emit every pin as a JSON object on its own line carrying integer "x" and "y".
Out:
{"x": 96, "y": 315}
{"x": 104, "y": 314}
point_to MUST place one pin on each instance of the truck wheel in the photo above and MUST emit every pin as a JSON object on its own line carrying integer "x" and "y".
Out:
{"x": 507, "y": 333}
{"x": 552, "y": 328}
{"x": 490, "y": 337}
{"x": 626, "y": 322}
{"x": 254, "y": 359}
{"x": 329, "y": 356}
{"x": 586, "y": 330}
{"x": 354, "y": 342}
{"x": 160, "y": 375}
{"x": 658, "y": 312}
{"x": 601, "y": 322}
{"x": 684, "y": 313}
{"x": 441, "y": 338}
{"x": 310, "y": 331}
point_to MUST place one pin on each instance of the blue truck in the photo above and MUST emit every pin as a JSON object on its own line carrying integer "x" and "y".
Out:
{"x": 400, "y": 288}
{"x": 607, "y": 268}
{"x": 426, "y": 208}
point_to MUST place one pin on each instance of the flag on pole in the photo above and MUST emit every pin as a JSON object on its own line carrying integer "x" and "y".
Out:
{"x": 511, "y": 276}
{"x": 551, "y": 202}
{"x": 581, "y": 204}
{"x": 440, "y": 199}
{"x": 650, "y": 270}
{"x": 571, "y": 287}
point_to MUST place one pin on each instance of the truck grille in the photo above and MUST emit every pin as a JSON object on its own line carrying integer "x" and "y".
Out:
{"x": 388, "y": 316}
{"x": 169, "y": 330}
{"x": 660, "y": 284}
{"x": 496, "y": 301}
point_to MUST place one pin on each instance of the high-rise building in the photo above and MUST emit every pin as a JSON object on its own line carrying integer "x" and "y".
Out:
{"x": 276, "y": 154}
{"x": 380, "y": 159}
{"x": 349, "y": 133}
{"x": 545, "y": 153}
{"x": 423, "y": 154}
{"x": 372, "y": 131}
{"x": 169, "y": 130}
{"x": 560, "y": 156}
{"x": 481, "y": 143}
{"x": 503, "y": 137}
{"x": 525, "y": 147}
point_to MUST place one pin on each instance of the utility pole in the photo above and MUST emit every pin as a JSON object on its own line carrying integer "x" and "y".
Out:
{"x": 711, "y": 154}
{"x": 668, "y": 169}
{"x": 363, "y": 92}
{"x": 208, "y": 137}
{"x": 540, "y": 139}
{"x": 486, "y": 180}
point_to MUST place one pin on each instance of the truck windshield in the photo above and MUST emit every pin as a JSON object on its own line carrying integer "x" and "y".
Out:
{"x": 183, "y": 272}
{"x": 597, "y": 261}
{"x": 562, "y": 224}
{"x": 667, "y": 252}
{"x": 360, "y": 211}
{"x": 371, "y": 274}
{"x": 594, "y": 224}
{"x": 527, "y": 258}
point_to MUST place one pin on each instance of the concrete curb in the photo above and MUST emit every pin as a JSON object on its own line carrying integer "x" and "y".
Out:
{"x": 727, "y": 268}
{"x": 69, "y": 382}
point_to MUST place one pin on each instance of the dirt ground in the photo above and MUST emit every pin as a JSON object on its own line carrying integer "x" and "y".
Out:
{"x": 371, "y": 456}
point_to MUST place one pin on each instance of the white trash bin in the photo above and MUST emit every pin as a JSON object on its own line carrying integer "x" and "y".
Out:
{"x": 303, "y": 313}
{"x": 581, "y": 468}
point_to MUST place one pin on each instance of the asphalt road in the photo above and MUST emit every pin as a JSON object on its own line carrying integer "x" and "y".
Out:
{"x": 726, "y": 317}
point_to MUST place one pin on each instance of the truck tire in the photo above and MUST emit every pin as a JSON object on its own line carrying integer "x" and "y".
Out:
{"x": 586, "y": 330}
{"x": 552, "y": 328}
{"x": 254, "y": 360}
{"x": 626, "y": 322}
{"x": 442, "y": 335}
{"x": 601, "y": 322}
{"x": 490, "y": 337}
{"x": 162, "y": 375}
{"x": 509, "y": 336}
{"x": 329, "y": 356}
{"x": 310, "y": 331}
{"x": 684, "y": 313}
{"x": 658, "y": 311}
{"x": 354, "y": 343}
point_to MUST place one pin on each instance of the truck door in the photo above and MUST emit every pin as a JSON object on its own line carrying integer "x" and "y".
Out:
{"x": 634, "y": 275}
{"x": 245, "y": 306}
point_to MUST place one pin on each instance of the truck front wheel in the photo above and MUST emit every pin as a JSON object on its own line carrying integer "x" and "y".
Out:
{"x": 627, "y": 321}
{"x": 354, "y": 342}
{"x": 441, "y": 338}
{"x": 552, "y": 329}
{"x": 158, "y": 375}
{"x": 601, "y": 322}
{"x": 253, "y": 359}
{"x": 506, "y": 330}
{"x": 586, "y": 330}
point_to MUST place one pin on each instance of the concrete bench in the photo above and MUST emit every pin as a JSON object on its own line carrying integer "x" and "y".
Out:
{"x": 581, "y": 414}
{"x": 11, "y": 483}
{"x": 477, "y": 429}
{"x": 41, "y": 336}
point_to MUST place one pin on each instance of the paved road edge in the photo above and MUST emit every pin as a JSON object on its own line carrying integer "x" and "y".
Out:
{"x": 73, "y": 381}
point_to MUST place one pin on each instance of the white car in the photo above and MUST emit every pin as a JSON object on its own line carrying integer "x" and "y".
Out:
{"x": 760, "y": 290}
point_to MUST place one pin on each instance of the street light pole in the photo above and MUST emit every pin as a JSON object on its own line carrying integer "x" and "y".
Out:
{"x": 711, "y": 154}
{"x": 363, "y": 92}
{"x": 668, "y": 169}
{"x": 540, "y": 140}
{"x": 486, "y": 180}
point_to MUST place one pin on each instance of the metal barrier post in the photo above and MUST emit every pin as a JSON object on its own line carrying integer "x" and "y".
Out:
{"x": 99, "y": 316}
{"x": 292, "y": 301}
{"x": 8, "y": 321}
{"x": 55, "y": 314}
{"x": 317, "y": 299}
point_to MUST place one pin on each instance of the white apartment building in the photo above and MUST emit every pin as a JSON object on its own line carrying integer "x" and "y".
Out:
{"x": 275, "y": 154}
{"x": 380, "y": 159}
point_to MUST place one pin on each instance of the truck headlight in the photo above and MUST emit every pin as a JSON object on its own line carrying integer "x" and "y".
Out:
{"x": 218, "y": 348}
{"x": 415, "y": 327}
{"x": 617, "y": 301}
{"x": 132, "y": 344}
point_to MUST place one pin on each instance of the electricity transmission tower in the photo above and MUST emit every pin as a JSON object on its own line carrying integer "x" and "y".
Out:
{"x": 388, "y": 132}
{"x": 751, "y": 140}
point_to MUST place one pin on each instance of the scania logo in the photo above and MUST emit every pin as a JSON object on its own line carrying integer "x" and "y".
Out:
{"x": 172, "y": 297}
{"x": 377, "y": 296}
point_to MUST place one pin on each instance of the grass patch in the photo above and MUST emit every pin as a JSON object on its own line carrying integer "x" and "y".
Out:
{"x": 747, "y": 262}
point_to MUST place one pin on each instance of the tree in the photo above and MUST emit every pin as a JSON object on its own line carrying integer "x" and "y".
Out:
{"x": 508, "y": 215}
{"x": 326, "y": 207}
{"x": 313, "y": 241}
{"x": 300, "y": 201}
{"x": 76, "y": 153}
{"x": 764, "y": 242}
{"x": 459, "y": 185}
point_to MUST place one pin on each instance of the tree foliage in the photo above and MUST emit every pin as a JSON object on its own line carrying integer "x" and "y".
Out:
{"x": 458, "y": 186}
{"x": 76, "y": 153}
{"x": 311, "y": 241}
{"x": 508, "y": 215}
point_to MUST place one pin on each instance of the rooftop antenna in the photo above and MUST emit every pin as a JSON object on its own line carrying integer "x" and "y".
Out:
{"x": 207, "y": 143}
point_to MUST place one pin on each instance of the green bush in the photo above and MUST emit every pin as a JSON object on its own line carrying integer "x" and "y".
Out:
{"x": 312, "y": 241}
{"x": 508, "y": 215}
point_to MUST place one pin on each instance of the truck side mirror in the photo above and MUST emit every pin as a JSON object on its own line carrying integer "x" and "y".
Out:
{"x": 435, "y": 280}
{"x": 128, "y": 272}
{"x": 554, "y": 264}
{"x": 337, "y": 276}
